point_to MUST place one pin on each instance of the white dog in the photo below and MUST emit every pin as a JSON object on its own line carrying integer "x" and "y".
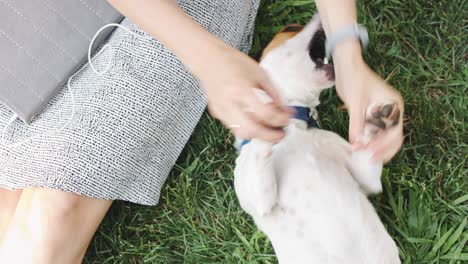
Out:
{"x": 307, "y": 193}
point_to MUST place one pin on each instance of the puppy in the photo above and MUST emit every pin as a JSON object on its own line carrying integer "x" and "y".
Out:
{"x": 307, "y": 193}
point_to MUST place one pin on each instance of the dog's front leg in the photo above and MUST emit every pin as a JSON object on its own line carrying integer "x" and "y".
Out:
{"x": 255, "y": 180}
{"x": 378, "y": 118}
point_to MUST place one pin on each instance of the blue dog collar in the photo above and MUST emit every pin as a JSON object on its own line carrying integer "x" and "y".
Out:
{"x": 302, "y": 113}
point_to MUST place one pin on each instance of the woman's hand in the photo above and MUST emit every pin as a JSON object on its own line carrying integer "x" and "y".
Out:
{"x": 229, "y": 79}
{"x": 359, "y": 87}
{"x": 228, "y": 76}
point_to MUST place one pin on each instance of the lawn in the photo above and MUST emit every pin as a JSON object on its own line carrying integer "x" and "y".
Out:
{"x": 420, "y": 47}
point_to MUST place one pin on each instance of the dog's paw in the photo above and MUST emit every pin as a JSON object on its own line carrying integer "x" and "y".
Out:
{"x": 383, "y": 115}
{"x": 380, "y": 117}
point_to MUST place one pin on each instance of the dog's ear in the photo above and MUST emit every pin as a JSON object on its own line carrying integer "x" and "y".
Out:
{"x": 281, "y": 37}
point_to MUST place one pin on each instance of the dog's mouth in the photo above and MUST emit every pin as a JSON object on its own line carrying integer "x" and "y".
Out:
{"x": 317, "y": 53}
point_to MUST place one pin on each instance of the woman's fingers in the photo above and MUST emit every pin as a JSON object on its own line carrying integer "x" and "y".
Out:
{"x": 247, "y": 117}
{"x": 357, "y": 118}
{"x": 389, "y": 141}
{"x": 247, "y": 127}
{"x": 269, "y": 114}
{"x": 386, "y": 143}
{"x": 266, "y": 85}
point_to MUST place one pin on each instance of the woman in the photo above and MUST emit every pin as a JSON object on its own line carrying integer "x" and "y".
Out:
{"x": 52, "y": 206}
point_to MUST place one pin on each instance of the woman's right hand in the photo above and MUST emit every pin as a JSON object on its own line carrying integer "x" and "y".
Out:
{"x": 228, "y": 76}
{"x": 229, "y": 79}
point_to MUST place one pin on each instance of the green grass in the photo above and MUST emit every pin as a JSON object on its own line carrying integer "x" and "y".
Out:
{"x": 421, "y": 47}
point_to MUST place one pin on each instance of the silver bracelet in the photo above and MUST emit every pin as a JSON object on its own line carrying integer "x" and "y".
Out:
{"x": 353, "y": 31}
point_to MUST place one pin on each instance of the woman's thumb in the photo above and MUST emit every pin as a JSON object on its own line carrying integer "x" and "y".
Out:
{"x": 357, "y": 121}
{"x": 266, "y": 85}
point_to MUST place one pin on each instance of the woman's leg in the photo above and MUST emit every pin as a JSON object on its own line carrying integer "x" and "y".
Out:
{"x": 51, "y": 226}
{"x": 9, "y": 199}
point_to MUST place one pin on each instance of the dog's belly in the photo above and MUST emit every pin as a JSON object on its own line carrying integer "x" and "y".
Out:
{"x": 321, "y": 215}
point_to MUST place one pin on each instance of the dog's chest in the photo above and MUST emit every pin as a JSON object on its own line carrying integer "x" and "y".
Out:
{"x": 306, "y": 155}
{"x": 319, "y": 214}
{"x": 313, "y": 183}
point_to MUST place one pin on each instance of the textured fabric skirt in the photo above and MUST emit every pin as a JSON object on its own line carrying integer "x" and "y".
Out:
{"x": 130, "y": 124}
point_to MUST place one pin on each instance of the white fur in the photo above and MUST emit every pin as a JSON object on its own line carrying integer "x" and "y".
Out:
{"x": 308, "y": 192}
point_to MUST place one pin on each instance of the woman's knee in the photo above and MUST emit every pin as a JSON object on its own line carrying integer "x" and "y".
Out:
{"x": 55, "y": 226}
{"x": 9, "y": 200}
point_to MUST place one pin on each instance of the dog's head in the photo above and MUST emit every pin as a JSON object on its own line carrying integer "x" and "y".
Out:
{"x": 294, "y": 60}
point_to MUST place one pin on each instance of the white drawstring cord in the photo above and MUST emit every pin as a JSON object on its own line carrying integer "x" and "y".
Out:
{"x": 72, "y": 96}
{"x": 108, "y": 46}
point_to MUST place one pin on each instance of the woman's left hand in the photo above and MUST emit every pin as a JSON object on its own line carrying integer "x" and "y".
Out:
{"x": 360, "y": 87}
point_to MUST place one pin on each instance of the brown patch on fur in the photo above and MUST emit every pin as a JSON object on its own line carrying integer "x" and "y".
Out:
{"x": 281, "y": 37}
{"x": 292, "y": 28}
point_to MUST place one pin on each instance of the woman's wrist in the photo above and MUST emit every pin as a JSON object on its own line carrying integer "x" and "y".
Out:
{"x": 336, "y": 15}
{"x": 207, "y": 60}
{"x": 347, "y": 57}
{"x": 347, "y": 53}
{"x": 348, "y": 63}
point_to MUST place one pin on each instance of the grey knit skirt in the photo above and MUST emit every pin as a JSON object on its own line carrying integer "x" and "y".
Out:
{"x": 130, "y": 124}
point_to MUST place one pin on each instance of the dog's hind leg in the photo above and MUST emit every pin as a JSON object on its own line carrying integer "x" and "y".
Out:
{"x": 255, "y": 180}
